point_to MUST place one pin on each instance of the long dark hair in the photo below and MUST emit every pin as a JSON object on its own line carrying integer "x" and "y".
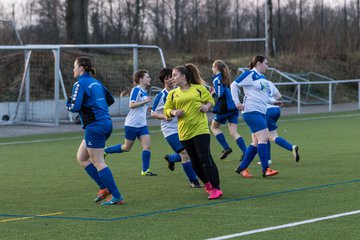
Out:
{"x": 85, "y": 62}
{"x": 192, "y": 73}
{"x": 224, "y": 70}
{"x": 255, "y": 60}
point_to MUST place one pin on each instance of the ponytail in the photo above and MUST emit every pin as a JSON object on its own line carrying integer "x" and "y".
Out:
{"x": 85, "y": 62}
{"x": 192, "y": 73}
{"x": 224, "y": 70}
{"x": 255, "y": 60}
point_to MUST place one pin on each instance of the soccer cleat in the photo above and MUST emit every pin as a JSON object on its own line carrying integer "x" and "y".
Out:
{"x": 225, "y": 152}
{"x": 295, "y": 152}
{"x": 208, "y": 187}
{"x": 195, "y": 184}
{"x": 114, "y": 201}
{"x": 245, "y": 173}
{"x": 171, "y": 165}
{"x": 102, "y": 194}
{"x": 215, "y": 194}
{"x": 147, "y": 173}
{"x": 269, "y": 172}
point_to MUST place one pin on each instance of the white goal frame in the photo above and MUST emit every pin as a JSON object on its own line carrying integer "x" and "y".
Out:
{"x": 58, "y": 81}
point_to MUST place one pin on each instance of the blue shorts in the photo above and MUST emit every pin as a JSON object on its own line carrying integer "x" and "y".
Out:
{"x": 272, "y": 115}
{"x": 232, "y": 117}
{"x": 131, "y": 133}
{"x": 96, "y": 133}
{"x": 255, "y": 120}
{"x": 174, "y": 142}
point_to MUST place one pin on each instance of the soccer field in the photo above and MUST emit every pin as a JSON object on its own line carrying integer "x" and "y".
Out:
{"x": 45, "y": 194}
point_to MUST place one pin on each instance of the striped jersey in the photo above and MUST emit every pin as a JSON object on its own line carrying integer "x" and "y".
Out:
{"x": 256, "y": 89}
{"x": 137, "y": 116}
{"x": 167, "y": 127}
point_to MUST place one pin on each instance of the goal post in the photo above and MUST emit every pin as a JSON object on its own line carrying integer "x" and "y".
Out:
{"x": 36, "y": 79}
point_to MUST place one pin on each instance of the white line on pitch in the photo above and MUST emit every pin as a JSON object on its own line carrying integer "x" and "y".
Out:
{"x": 285, "y": 225}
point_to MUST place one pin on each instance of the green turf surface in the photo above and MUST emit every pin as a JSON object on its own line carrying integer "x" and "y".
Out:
{"x": 43, "y": 177}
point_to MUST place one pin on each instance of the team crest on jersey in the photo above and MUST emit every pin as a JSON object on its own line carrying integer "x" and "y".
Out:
{"x": 264, "y": 86}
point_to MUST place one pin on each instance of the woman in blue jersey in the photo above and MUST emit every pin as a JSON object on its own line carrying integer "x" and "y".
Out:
{"x": 135, "y": 122}
{"x": 169, "y": 130}
{"x": 91, "y": 100}
{"x": 257, "y": 96}
{"x": 225, "y": 109}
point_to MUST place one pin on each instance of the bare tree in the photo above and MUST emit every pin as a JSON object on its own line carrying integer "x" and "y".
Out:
{"x": 77, "y": 21}
{"x": 270, "y": 48}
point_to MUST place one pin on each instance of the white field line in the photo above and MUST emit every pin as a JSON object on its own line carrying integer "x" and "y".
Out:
{"x": 119, "y": 134}
{"x": 285, "y": 225}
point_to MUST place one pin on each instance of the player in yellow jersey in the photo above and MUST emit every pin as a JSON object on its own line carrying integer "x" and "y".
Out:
{"x": 189, "y": 103}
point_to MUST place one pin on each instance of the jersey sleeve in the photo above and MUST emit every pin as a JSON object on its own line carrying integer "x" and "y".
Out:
{"x": 219, "y": 88}
{"x": 169, "y": 104}
{"x": 134, "y": 95}
{"x": 244, "y": 79}
{"x": 206, "y": 96}
{"x": 157, "y": 100}
{"x": 75, "y": 102}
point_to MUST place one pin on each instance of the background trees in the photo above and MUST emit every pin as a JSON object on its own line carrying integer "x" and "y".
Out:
{"x": 302, "y": 26}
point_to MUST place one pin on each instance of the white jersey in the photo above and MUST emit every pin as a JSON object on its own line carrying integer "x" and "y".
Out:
{"x": 273, "y": 91}
{"x": 256, "y": 90}
{"x": 167, "y": 127}
{"x": 137, "y": 116}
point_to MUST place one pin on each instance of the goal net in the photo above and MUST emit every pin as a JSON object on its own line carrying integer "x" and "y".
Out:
{"x": 34, "y": 85}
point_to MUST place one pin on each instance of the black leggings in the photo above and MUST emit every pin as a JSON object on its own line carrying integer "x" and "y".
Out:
{"x": 198, "y": 149}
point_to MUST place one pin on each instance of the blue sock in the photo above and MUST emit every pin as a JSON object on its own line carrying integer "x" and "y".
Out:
{"x": 93, "y": 173}
{"x": 221, "y": 139}
{"x": 108, "y": 180}
{"x": 263, "y": 155}
{"x": 268, "y": 148}
{"x": 283, "y": 143}
{"x": 175, "y": 157}
{"x": 249, "y": 156}
{"x": 113, "y": 149}
{"x": 146, "y": 154}
{"x": 241, "y": 143}
{"x": 189, "y": 171}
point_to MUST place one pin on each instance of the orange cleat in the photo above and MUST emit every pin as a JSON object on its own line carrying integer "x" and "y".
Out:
{"x": 245, "y": 173}
{"x": 102, "y": 194}
{"x": 269, "y": 172}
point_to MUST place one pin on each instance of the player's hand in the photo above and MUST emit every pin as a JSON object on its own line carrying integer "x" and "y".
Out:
{"x": 204, "y": 109}
{"x": 148, "y": 99}
{"x": 178, "y": 113}
{"x": 240, "y": 106}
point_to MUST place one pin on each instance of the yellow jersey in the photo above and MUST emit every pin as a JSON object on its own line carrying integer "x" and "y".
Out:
{"x": 193, "y": 122}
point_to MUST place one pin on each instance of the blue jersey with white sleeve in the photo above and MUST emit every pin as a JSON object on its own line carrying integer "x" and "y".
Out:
{"x": 88, "y": 98}
{"x": 256, "y": 90}
{"x": 167, "y": 127}
{"x": 222, "y": 93}
{"x": 137, "y": 116}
